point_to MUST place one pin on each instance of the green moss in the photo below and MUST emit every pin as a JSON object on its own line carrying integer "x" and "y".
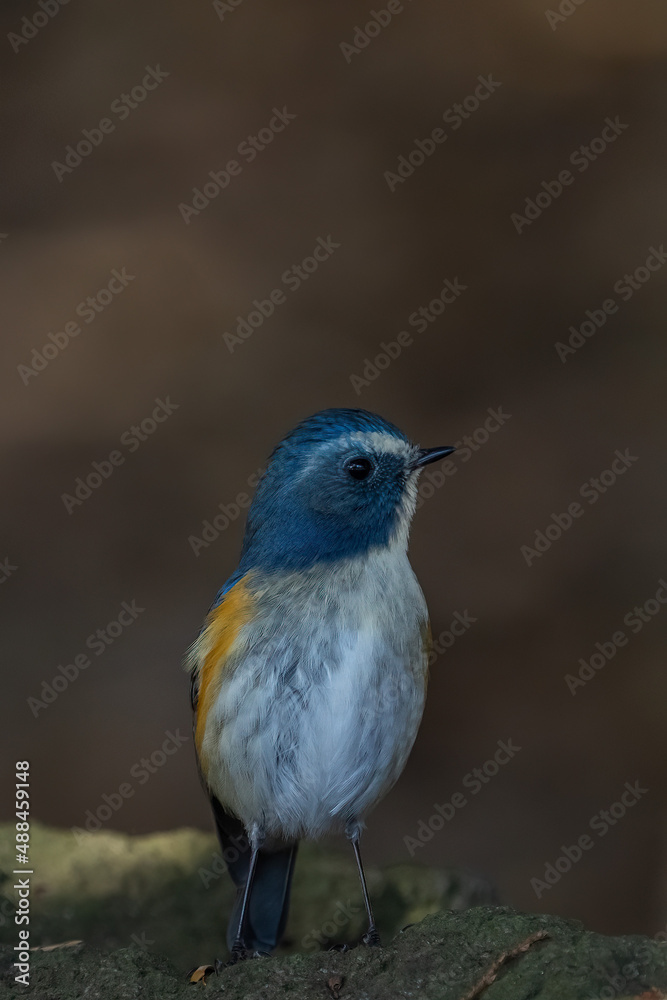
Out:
{"x": 113, "y": 887}
{"x": 169, "y": 893}
{"x": 442, "y": 958}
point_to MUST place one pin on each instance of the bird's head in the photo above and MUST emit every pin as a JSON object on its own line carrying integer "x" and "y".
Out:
{"x": 342, "y": 482}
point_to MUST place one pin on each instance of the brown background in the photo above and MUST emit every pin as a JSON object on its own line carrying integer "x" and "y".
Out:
{"x": 495, "y": 347}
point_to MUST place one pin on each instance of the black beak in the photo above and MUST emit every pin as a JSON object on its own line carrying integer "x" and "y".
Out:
{"x": 428, "y": 455}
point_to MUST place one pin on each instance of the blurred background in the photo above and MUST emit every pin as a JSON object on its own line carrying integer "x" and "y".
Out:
{"x": 217, "y": 73}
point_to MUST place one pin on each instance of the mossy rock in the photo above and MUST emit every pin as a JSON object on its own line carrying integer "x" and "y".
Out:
{"x": 149, "y": 908}
{"x": 168, "y": 893}
{"x": 447, "y": 956}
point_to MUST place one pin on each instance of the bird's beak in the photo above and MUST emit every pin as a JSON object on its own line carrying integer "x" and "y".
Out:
{"x": 428, "y": 455}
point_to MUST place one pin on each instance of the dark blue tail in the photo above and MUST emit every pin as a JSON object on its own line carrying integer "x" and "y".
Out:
{"x": 269, "y": 899}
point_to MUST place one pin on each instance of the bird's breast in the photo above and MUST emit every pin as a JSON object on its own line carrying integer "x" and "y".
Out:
{"x": 321, "y": 693}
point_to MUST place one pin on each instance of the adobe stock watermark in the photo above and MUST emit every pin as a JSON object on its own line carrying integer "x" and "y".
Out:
{"x": 474, "y": 781}
{"x": 591, "y": 491}
{"x": 7, "y": 569}
{"x": 437, "y": 475}
{"x": 566, "y": 8}
{"x": 581, "y": 158}
{"x": 222, "y": 7}
{"x": 601, "y": 824}
{"x": 634, "y": 620}
{"x": 249, "y": 149}
{"x": 228, "y": 513}
{"x": 141, "y": 940}
{"x": 31, "y": 26}
{"x": 220, "y": 860}
{"x": 97, "y": 642}
{"x": 419, "y": 320}
{"x": 343, "y": 913}
{"x": 458, "y": 627}
{"x": 626, "y": 979}
{"x": 454, "y": 117}
{"x": 141, "y": 773}
{"x": 292, "y": 279}
{"x": 88, "y": 310}
{"x": 122, "y": 107}
{"x": 131, "y": 439}
{"x": 363, "y": 36}
{"x": 625, "y": 288}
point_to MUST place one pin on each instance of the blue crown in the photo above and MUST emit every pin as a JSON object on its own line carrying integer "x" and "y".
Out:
{"x": 327, "y": 425}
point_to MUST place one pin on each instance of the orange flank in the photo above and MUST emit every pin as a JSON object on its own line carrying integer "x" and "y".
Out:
{"x": 212, "y": 649}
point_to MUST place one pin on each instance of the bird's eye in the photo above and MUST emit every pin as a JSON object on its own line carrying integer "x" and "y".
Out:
{"x": 359, "y": 468}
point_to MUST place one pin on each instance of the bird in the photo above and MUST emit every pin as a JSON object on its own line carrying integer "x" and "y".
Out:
{"x": 309, "y": 675}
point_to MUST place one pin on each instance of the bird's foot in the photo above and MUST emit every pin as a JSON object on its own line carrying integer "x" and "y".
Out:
{"x": 239, "y": 953}
{"x": 372, "y": 938}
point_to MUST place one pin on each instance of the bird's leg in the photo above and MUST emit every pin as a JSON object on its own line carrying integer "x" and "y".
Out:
{"x": 239, "y": 948}
{"x": 371, "y": 937}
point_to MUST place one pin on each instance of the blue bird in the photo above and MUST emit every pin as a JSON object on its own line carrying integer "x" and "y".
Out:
{"x": 308, "y": 679}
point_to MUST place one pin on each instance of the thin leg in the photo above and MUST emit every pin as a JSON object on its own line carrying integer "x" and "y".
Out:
{"x": 371, "y": 937}
{"x": 239, "y": 949}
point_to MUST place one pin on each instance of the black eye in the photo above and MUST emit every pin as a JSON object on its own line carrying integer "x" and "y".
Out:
{"x": 359, "y": 468}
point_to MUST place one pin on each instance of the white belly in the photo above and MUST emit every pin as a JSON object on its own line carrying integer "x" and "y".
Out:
{"x": 317, "y": 718}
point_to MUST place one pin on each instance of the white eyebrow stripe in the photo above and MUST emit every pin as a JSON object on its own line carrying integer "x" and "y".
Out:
{"x": 380, "y": 441}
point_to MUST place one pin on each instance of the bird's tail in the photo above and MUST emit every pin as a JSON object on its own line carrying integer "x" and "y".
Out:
{"x": 269, "y": 899}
